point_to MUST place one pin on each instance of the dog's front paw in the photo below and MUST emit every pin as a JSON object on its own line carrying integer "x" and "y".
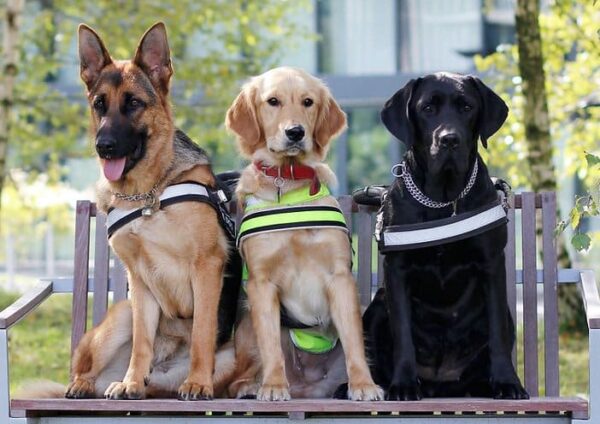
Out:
{"x": 80, "y": 388}
{"x": 121, "y": 390}
{"x": 194, "y": 391}
{"x": 366, "y": 391}
{"x": 508, "y": 390}
{"x": 404, "y": 391}
{"x": 273, "y": 392}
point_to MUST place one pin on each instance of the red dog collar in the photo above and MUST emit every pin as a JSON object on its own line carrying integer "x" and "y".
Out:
{"x": 291, "y": 172}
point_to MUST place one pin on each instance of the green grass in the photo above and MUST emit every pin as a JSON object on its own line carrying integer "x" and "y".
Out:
{"x": 573, "y": 365}
{"x": 39, "y": 347}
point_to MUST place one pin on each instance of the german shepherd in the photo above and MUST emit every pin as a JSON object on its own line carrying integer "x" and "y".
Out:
{"x": 175, "y": 257}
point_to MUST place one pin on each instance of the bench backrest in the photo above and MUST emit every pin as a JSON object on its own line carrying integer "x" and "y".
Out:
{"x": 535, "y": 212}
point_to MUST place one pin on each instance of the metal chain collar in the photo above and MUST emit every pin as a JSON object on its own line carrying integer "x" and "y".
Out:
{"x": 150, "y": 199}
{"x": 418, "y": 195}
{"x": 136, "y": 197}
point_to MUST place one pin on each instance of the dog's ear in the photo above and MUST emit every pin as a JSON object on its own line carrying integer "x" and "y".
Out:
{"x": 395, "y": 114}
{"x": 331, "y": 121}
{"x": 493, "y": 110}
{"x": 93, "y": 56}
{"x": 242, "y": 120}
{"x": 154, "y": 57}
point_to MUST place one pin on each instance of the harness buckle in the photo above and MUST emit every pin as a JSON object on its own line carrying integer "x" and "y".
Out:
{"x": 222, "y": 196}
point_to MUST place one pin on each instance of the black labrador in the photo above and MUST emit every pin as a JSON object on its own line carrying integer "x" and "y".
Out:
{"x": 444, "y": 307}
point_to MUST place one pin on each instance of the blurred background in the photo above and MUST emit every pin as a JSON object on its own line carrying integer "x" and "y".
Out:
{"x": 364, "y": 49}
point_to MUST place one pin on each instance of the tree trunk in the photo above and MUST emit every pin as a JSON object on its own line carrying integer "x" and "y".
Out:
{"x": 10, "y": 51}
{"x": 537, "y": 135}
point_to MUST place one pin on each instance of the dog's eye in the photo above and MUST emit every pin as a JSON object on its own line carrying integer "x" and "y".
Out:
{"x": 273, "y": 101}
{"x": 427, "y": 108}
{"x": 308, "y": 102}
{"x": 135, "y": 103}
{"x": 467, "y": 108}
{"x": 99, "y": 105}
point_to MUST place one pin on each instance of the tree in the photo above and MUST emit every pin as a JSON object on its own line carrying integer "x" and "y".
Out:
{"x": 535, "y": 111}
{"x": 214, "y": 45}
{"x": 562, "y": 61}
{"x": 12, "y": 20}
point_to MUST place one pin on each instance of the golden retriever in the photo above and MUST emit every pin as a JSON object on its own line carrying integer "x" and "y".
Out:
{"x": 285, "y": 118}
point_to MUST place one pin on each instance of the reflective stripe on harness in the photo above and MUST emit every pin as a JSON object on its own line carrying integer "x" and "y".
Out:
{"x": 290, "y": 218}
{"x": 290, "y": 213}
{"x": 432, "y": 233}
{"x": 177, "y": 193}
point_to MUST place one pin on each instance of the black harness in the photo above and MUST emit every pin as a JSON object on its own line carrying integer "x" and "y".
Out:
{"x": 178, "y": 193}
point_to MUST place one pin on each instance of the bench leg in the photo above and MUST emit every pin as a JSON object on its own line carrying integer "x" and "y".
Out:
{"x": 5, "y": 383}
{"x": 594, "y": 373}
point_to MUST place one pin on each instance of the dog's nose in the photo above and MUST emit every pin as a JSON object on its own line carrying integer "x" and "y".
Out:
{"x": 106, "y": 146}
{"x": 449, "y": 141}
{"x": 295, "y": 133}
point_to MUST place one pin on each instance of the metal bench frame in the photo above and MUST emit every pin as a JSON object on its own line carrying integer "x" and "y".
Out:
{"x": 550, "y": 408}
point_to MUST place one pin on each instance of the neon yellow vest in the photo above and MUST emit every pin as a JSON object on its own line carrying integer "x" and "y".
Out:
{"x": 291, "y": 213}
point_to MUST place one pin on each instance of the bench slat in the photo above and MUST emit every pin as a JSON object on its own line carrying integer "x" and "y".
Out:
{"x": 550, "y": 294}
{"x": 100, "y": 270}
{"x": 81, "y": 269}
{"x": 574, "y": 405}
{"x": 528, "y": 232}
{"x": 365, "y": 245}
{"x": 511, "y": 266}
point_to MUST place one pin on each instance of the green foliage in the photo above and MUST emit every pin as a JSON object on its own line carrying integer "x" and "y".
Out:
{"x": 214, "y": 46}
{"x": 585, "y": 206}
{"x": 572, "y": 66}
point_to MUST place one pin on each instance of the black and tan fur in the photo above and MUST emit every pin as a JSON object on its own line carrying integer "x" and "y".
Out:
{"x": 175, "y": 258}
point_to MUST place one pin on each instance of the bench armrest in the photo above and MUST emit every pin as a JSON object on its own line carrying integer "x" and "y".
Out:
{"x": 25, "y": 304}
{"x": 591, "y": 300}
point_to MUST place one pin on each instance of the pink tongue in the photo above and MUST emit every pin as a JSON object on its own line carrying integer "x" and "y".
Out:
{"x": 113, "y": 168}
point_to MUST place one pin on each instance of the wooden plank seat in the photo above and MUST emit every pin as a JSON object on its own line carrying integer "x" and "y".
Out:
{"x": 533, "y": 211}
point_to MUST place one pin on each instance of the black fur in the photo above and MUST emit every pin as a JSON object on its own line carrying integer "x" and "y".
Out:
{"x": 444, "y": 308}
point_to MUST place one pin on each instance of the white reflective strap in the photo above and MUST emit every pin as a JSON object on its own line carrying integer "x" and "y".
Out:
{"x": 177, "y": 190}
{"x": 402, "y": 238}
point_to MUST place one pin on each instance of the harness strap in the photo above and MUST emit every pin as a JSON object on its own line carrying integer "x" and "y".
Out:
{"x": 440, "y": 231}
{"x": 290, "y": 218}
{"x": 177, "y": 193}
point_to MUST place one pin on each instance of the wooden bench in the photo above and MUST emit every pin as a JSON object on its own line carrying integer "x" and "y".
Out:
{"x": 532, "y": 209}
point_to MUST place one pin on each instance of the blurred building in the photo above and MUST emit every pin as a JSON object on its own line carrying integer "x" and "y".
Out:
{"x": 368, "y": 49}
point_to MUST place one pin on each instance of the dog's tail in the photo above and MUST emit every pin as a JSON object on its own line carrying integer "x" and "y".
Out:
{"x": 40, "y": 389}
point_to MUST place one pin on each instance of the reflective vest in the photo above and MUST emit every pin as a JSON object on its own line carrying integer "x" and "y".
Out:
{"x": 291, "y": 213}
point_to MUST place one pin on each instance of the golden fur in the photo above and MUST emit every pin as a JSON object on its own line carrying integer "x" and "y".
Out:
{"x": 306, "y": 270}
